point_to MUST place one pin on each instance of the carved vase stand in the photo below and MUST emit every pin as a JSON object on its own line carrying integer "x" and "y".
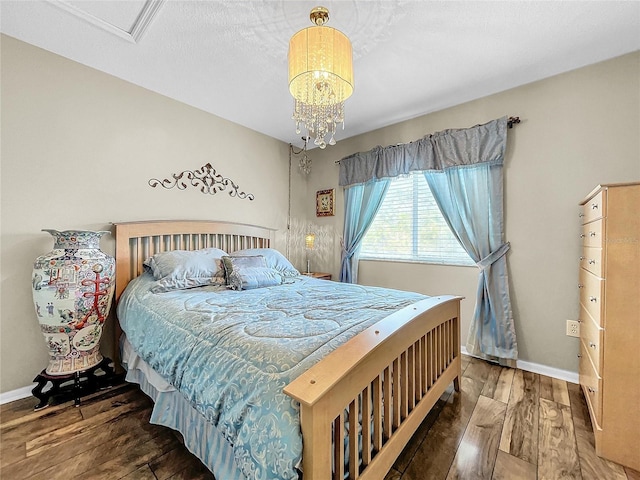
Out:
{"x": 84, "y": 383}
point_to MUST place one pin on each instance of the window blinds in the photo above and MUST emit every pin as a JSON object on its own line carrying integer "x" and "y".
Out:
{"x": 410, "y": 227}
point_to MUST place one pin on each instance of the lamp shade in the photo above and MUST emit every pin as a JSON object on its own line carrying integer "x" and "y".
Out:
{"x": 320, "y": 66}
{"x": 309, "y": 241}
{"x": 320, "y": 77}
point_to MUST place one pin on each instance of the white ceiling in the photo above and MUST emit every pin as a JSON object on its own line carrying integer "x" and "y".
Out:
{"x": 229, "y": 57}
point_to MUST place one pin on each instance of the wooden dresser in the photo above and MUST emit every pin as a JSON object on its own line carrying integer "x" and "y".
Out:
{"x": 610, "y": 319}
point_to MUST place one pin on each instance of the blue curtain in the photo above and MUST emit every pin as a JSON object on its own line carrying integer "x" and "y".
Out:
{"x": 464, "y": 170}
{"x": 471, "y": 201}
{"x": 362, "y": 202}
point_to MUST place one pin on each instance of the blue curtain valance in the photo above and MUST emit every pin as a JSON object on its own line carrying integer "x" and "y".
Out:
{"x": 437, "y": 151}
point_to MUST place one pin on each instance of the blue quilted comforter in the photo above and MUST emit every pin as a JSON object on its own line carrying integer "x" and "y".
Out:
{"x": 230, "y": 353}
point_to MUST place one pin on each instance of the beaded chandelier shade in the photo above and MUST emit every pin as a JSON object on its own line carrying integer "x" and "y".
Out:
{"x": 320, "y": 77}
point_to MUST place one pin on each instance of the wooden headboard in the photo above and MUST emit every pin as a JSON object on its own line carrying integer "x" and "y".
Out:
{"x": 136, "y": 241}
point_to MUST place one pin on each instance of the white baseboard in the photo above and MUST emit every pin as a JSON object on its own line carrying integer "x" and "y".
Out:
{"x": 18, "y": 394}
{"x": 558, "y": 373}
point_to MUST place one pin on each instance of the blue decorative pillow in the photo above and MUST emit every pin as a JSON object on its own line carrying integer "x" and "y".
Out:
{"x": 246, "y": 278}
{"x": 180, "y": 269}
{"x": 273, "y": 258}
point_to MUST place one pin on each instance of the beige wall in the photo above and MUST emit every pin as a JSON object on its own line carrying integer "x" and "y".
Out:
{"x": 78, "y": 147}
{"x": 578, "y": 129}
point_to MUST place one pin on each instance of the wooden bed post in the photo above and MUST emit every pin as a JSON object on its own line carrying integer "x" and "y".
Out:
{"x": 456, "y": 350}
{"x": 316, "y": 449}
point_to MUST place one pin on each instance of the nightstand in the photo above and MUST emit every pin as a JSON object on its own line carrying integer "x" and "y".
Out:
{"x": 321, "y": 276}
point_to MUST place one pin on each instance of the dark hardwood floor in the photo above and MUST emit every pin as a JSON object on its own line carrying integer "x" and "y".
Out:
{"x": 504, "y": 424}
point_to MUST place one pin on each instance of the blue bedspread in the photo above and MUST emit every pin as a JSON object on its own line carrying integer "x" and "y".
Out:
{"x": 230, "y": 353}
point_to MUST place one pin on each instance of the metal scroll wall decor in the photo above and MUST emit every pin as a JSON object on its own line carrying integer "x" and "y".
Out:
{"x": 206, "y": 178}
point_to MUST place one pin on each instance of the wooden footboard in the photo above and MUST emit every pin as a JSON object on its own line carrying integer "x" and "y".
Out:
{"x": 390, "y": 375}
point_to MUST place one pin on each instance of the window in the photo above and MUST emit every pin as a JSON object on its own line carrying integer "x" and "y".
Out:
{"x": 410, "y": 227}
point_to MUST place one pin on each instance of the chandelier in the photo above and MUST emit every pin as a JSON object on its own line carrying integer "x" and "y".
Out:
{"x": 320, "y": 77}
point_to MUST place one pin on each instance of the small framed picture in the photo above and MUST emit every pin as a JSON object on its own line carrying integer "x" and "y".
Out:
{"x": 325, "y": 201}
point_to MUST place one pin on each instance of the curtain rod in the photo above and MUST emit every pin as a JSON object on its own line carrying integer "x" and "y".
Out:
{"x": 511, "y": 121}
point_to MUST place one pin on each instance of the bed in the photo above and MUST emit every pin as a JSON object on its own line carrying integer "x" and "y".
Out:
{"x": 358, "y": 397}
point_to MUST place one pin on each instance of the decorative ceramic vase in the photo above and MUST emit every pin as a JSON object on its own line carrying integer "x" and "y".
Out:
{"x": 72, "y": 291}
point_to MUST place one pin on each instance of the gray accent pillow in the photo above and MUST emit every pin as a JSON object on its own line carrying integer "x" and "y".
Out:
{"x": 181, "y": 269}
{"x": 231, "y": 263}
{"x": 273, "y": 258}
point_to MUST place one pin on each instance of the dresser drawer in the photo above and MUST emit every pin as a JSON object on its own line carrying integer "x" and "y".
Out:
{"x": 594, "y": 208}
{"x": 592, "y": 295}
{"x": 592, "y": 335}
{"x": 591, "y": 259}
{"x": 592, "y": 234}
{"x": 591, "y": 385}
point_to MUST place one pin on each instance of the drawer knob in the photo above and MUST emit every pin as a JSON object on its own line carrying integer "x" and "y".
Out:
{"x": 594, "y": 206}
{"x": 591, "y": 261}
{"x": 582, "y": 235}
{"x": 580, "y": 215}
{"x": 593, "y": 299}
{"x": 591, "y": 390}
{"x": 579, "y": 356}
{"x": 582, "y": 258}
{"x": 592, "y": 345}
{"x": 580, "y": 285}
{"x": 592, "y": 234}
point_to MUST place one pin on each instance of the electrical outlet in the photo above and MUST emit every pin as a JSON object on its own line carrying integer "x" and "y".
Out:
{"x": 573, "y": 328}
